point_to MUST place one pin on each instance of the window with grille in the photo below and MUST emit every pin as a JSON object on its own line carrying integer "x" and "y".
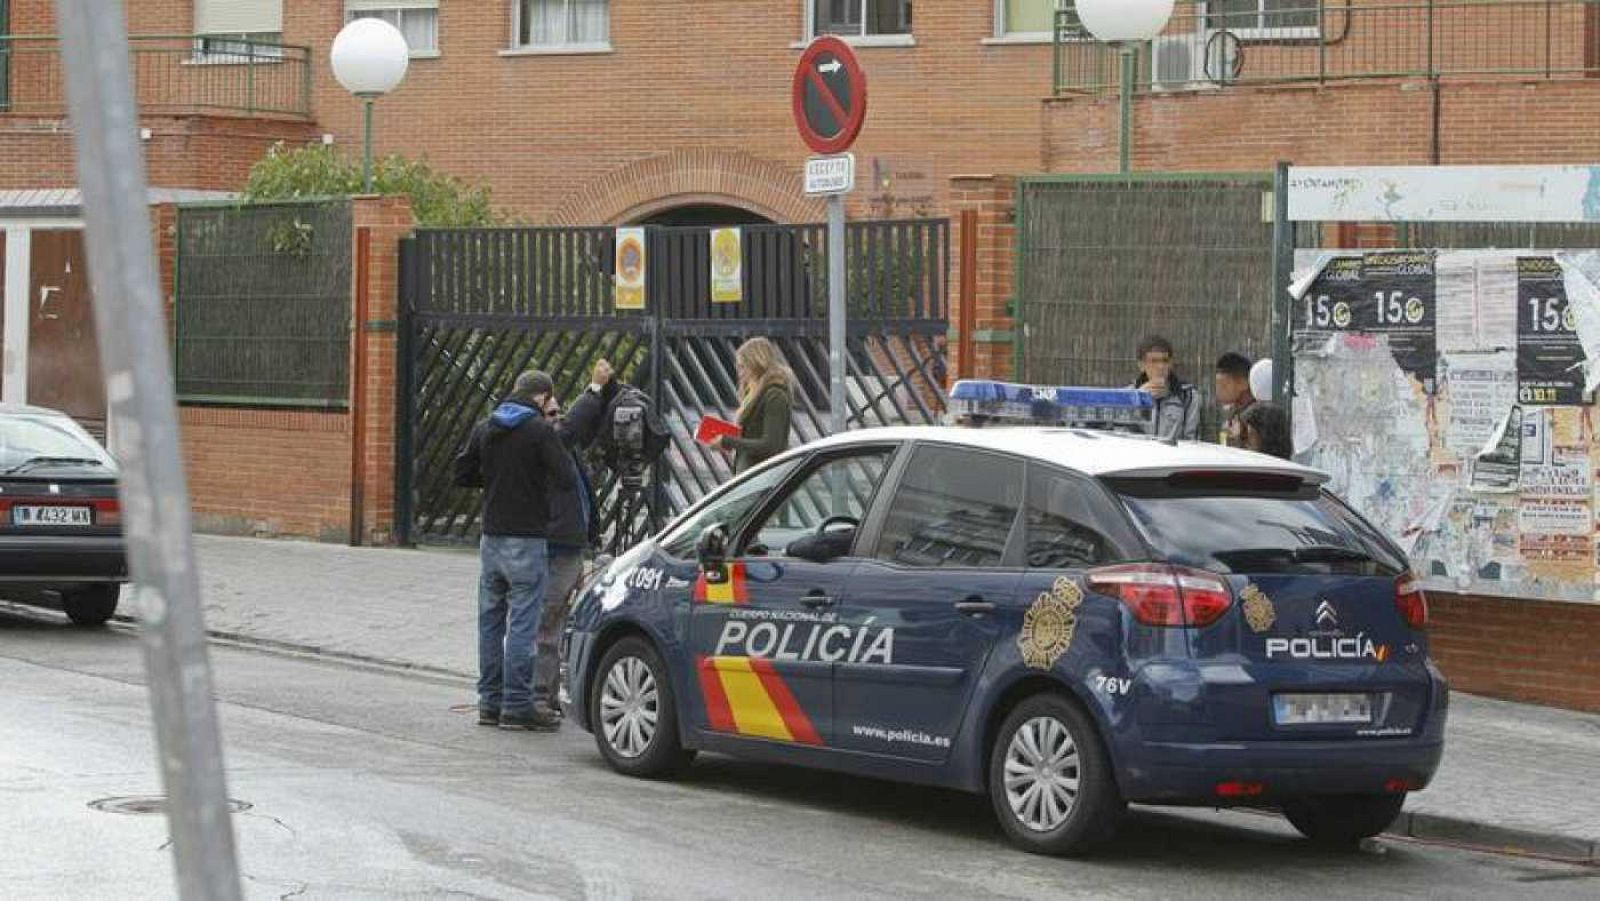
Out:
{"x": 860, "y": 18}
{"x": 417, "y": 20}
{"x": 1264, "y": 18}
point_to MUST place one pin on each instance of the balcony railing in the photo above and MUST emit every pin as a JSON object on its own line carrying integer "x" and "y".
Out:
{"x": 1228, "y": 42}
{"x": 171, "y": 73}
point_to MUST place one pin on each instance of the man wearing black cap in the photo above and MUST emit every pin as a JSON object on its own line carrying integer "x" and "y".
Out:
{"x": 519, "y": 460}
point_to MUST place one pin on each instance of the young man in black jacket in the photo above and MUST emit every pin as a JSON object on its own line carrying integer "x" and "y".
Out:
{"x": 519, "y": 460}
{"x": 575, "y": 527}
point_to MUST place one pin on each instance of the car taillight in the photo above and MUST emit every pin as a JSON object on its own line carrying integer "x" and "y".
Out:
{"x": 1410, "y": 601}
{"x": 107, "y": 513}
{"x": 1160, "y": 595}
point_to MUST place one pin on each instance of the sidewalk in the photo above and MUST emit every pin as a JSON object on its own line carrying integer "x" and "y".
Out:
{"x": 1514, "y": 775}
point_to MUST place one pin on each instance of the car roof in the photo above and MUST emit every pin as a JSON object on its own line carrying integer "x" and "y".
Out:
{"x": 1094, "y": 453}
{"x": 27, "y": 410}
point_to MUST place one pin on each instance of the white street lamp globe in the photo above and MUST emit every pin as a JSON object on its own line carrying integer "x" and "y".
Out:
{"x": 370, "y": 57}
{"x": 1118, "y": 21}
{"x": 1261, "y": 380}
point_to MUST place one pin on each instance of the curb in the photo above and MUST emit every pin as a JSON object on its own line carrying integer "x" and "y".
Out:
{"x": 1489, "y": 837}
{"x": 272, "y": 646}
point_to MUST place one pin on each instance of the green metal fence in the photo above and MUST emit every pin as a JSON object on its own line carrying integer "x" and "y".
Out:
{"x": 264, "y": 304}
{"x": 1223, "y": 42}
{"x": 171, "y": 73}
{"x": 1103, "y": 261}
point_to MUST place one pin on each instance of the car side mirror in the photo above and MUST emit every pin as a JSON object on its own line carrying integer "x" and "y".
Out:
{"x": 712, "y": 548}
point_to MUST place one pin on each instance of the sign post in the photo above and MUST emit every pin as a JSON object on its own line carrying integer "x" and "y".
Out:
{"x": 830, "y": 104}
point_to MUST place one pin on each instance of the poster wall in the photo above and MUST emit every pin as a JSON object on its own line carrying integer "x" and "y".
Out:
{"x": 1447, "y": 394}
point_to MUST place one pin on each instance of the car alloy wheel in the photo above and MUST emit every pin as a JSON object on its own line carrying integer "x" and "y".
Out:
{"x": 630, "y": 707}
{"x": 633, "y": 711}
{"x": 1051, "y": 782}
{"x": 1041, "y": 774}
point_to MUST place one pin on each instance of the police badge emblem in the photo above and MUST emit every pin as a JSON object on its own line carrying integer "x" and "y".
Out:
{"x": 1049, "y": 624}
{"x": 1258, "y": 610}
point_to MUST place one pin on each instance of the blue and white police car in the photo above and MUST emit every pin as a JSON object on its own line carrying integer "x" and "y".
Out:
{"x": 1067, "y": 619}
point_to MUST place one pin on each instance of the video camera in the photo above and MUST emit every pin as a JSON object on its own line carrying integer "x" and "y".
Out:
{"x": 632, "y": 436}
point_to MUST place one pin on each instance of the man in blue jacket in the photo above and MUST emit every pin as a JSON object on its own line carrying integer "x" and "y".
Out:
{"x": 519, "y": 460}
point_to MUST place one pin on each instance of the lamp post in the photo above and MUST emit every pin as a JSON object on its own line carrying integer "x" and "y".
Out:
{"x": 369, "y": 58}
{"x": 1125, "y": 24}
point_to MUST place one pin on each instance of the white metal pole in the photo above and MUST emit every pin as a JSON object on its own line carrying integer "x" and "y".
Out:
{"x": 837, "y": 399}
{"x": 139, "y": 391}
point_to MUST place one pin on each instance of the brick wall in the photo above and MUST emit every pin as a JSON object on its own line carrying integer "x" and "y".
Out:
{"x": 205, "y": 152}
{"x": 386, "y": 220}
{"x": 1521, "y": 650}
{"x": 666, "y": 122}
{"x": 290, "y": 472}
{"x": 993, "y": 199}
{"x": 213, "y": 152}
{"x": 1388, "y": 123}
{"x": 268, "y": 472}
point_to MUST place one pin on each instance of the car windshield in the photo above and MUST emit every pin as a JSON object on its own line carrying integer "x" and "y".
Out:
{"x": 1235, "y": 527}
{"x": 29, "y": 441}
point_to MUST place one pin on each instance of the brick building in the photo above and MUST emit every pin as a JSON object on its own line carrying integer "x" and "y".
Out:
{"x": 599, "y": 112}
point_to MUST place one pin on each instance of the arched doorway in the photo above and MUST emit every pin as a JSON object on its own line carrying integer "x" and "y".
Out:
{"x": 705, "y": 214}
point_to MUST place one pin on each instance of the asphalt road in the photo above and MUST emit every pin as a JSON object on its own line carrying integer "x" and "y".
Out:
{"x": 366, "y": 783}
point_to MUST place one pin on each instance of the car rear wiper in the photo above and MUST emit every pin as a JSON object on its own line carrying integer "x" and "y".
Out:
{"x": 1329, "y": 553}
{"x": 63, "y": 461}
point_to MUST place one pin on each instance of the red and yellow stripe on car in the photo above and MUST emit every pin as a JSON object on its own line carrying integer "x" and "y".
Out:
{"x": 729, "y": 590}
{"x": 746, "y": 696}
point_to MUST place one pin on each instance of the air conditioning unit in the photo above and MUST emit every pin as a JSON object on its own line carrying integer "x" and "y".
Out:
{"x": 1186, "y": 62}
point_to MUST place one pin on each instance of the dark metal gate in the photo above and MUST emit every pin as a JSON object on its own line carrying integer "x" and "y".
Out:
{"x": 480, "y": 306}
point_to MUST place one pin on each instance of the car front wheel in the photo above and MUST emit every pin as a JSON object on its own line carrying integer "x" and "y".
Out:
{"x": 91, "y": 606}
{"x": 634, "y": 714}
{"x": 1050, "y": 780}
{"x": 1342, "y": 819}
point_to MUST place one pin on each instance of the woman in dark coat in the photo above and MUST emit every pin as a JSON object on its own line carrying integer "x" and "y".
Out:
{"x": 766, "y": 403}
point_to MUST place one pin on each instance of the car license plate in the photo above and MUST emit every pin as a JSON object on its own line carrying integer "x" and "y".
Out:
{"x": 1316, "y": 709}
{"x": 51, "y": 516}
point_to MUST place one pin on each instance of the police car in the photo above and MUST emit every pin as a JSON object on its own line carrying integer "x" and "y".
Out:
{"x": 1067, "y": 619}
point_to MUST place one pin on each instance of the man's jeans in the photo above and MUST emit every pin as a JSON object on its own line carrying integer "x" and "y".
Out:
{"x": 566, "y": 568}
{"x": 511, "y": 590}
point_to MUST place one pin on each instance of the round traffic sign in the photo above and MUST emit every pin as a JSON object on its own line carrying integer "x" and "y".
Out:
{"x": 829, "y": 96}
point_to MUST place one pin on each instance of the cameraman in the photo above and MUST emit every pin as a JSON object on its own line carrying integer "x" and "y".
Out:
{"x": 574, "y": 527}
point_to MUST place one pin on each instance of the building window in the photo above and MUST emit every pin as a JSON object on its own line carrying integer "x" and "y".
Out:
{"x": 1024, "y": 19}
{"x": 417, "y": 20}
{"x": 1264, "y": 18}
{"x": 860, "y": 18}
{"x": 563, "y": 23}
{"x": 238, "y": 31}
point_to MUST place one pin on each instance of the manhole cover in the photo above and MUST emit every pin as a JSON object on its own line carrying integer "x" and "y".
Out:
{"x": 143, "y": 804}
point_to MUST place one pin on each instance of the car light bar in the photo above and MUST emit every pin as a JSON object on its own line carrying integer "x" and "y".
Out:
{"x": 983, "y": 401}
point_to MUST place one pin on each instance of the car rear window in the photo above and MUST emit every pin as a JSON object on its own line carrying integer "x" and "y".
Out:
{"x": 25, "y": 438}
{"x": 1254, "y": 525}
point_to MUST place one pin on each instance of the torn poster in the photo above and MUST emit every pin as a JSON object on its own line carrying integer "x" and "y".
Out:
{"x": 1390, "y": 293}
{"x": 1536, "y": 437}
{"x": 1308, "y": 265}
{"x": 1479, "y": 388}
{"x": 1580, "y": 273}
{"x": 1305, "y": 425}
{"x": 1498, "y": 467}
{"x": 1549, "y": 357}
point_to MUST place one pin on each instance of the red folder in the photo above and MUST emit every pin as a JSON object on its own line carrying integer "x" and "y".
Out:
{"x": 712, "y": 428}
